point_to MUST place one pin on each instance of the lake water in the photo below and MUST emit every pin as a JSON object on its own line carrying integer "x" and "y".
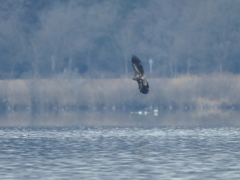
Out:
{"x": 120, "y": 153}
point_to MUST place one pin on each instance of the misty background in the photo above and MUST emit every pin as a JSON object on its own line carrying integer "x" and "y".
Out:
{"x": 96, "y": 38}
{"x": 67, "y": 55}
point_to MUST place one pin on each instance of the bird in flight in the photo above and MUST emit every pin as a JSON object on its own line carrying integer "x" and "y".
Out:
{"x": 139, "y": 75}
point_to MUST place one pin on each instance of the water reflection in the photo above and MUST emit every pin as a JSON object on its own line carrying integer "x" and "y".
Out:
{"x": 144, "y": 117}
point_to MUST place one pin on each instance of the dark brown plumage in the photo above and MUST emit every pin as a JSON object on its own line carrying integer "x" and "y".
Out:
{"x": 139, "y": 75}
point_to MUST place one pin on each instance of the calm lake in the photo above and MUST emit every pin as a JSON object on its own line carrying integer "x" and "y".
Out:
{"x": 119, "y": 153}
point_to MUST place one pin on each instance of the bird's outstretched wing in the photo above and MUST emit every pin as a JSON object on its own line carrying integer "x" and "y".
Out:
{"x": 137, "y": 67}
{"x": 139, "y": 75}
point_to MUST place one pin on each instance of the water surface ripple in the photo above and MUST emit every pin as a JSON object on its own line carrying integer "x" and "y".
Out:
{"x": 120, "y": 153}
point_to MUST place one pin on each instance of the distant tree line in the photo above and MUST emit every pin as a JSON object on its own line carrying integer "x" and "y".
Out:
{"x": 96, "y": 38}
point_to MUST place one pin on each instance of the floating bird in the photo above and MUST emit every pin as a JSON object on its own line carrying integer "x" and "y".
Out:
{"x": 139, "y": 75}
{"x": 24, "y": 136}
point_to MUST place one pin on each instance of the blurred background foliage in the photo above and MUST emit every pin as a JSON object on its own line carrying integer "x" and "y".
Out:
{"x": 96, "y": 38}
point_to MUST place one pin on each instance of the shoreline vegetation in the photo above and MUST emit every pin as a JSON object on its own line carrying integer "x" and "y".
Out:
{"x": 181, "y": 101}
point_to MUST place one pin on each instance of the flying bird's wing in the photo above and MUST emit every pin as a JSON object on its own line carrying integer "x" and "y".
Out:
{"x": 139, "y": 75}
{"x": 137, "y": 67}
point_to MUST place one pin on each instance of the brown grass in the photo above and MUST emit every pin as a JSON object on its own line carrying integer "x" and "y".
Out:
{"x": 207, "y": 94}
